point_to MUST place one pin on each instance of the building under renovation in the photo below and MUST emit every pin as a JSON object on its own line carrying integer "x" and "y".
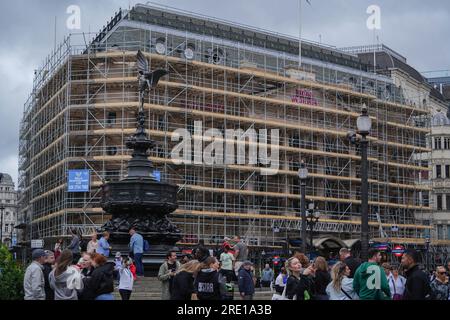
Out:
{"x": 223, "y": 75}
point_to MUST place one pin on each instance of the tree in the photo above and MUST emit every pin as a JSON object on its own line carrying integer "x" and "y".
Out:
{"x": 11, "y": 276}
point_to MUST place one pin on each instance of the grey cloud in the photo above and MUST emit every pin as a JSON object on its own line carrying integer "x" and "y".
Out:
{"x": 417, "y": 29}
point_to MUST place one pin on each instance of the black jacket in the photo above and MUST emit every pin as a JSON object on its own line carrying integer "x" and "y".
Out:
{"x": 417, "y": 284}
{"x": 208, "y": 285}
{"x": 100, "y": 282}
{"x": 49, "y": 293}
{"x": 352, "y": 264}
{"x": 182, "y": 286}
{"x": 295, "y": 286}
{"x": 321, "y": 282}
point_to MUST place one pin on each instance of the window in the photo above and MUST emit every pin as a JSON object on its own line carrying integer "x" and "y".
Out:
{"x": 437, "y": 143}
{"x": 447, "y": 143}
{"x": 439, "y": 202}
{"x": 438, "y": 171}
{"x": 161, "y": 123}
{"x": 440, "y": 231}
{"x": 111, "y": 151}
{"x": 447, "y": 171}
{"x": 111, "y": 118}
{"x": 447, "y": 201}
{"x": 448, "y": 232}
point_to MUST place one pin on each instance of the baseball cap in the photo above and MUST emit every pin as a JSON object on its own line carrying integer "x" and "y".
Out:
{"x": 247, "y": 263}
{"x": 38, "y": 253}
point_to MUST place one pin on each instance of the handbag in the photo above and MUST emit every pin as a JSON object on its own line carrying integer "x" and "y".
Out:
{"x": 396, "y": 296}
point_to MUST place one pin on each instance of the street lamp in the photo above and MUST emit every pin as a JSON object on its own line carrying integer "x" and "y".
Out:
{"x": 2, "y": 209}
{"x": 364, "y": 125}
{"x": 303, "y": 176}
{"x": 427, "y": 242}
{"x": 313, "y": 218}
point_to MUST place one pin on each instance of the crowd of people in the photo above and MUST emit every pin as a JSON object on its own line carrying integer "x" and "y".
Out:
{"x": 203, "y": 276}
{"x": 81, "y": 271}
{"x": 349, "y": 279}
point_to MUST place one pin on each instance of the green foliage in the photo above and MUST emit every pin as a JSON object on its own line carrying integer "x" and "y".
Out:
{"x": 11, "y": 276}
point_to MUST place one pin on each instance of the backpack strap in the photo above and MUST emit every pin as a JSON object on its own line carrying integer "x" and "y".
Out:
{"x": 348, "y": 296}
{"x": 393, "y": 283}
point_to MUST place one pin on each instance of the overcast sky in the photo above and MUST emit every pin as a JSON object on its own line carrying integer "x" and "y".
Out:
{"x": 417, "y": 29}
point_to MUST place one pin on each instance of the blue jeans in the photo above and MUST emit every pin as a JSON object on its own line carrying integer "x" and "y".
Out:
{"x": 104, "y": 297}
{"x": 139, "y": 264}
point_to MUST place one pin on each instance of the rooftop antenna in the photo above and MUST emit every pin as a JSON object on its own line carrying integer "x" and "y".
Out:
{"x": 54, "y": 43}
{"x": 375, "y": 48}
{"x": 300, "y": 10}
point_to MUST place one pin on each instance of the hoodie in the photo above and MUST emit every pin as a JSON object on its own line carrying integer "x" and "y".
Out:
{"x": 66, "y": 284}
{"x": 100, "y": 282}
{"x": 370, "y": 282}
{"x": 209, "y": 285}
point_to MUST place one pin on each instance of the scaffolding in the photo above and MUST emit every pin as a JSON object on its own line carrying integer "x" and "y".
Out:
{"x": 84, "y": 105}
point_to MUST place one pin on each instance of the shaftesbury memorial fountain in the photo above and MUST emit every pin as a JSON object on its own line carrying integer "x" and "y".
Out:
{"x": 139, "y": 200}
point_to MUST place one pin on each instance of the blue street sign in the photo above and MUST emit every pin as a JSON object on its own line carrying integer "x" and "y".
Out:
{"x": 79, "y": 181}
{"x": 157, "y": 175}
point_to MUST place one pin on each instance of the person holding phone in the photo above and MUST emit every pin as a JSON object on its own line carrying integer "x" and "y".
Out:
{"x": 166, "y": 273}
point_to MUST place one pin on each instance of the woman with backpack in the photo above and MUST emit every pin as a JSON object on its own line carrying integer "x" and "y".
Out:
{"x": 341, "y": 286}
{"x": 209, "y": 284}
{"x": 65, "y": 280}
{"x": 396, "y": 282}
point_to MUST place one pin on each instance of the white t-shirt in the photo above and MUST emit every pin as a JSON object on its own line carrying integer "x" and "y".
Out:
{"x": 227, "y": 261}
{"x": 279, "y": 280}
{"x": 396, "y": 286}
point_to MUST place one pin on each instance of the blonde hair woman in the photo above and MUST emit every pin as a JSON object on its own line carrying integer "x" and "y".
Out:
{"x": 298, "y": 284}
{"x": 183, "y": 282}
{"x": 341, "y": 286}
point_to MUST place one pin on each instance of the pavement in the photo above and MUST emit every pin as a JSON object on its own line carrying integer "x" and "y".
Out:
{"x": 149, "y": 288}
